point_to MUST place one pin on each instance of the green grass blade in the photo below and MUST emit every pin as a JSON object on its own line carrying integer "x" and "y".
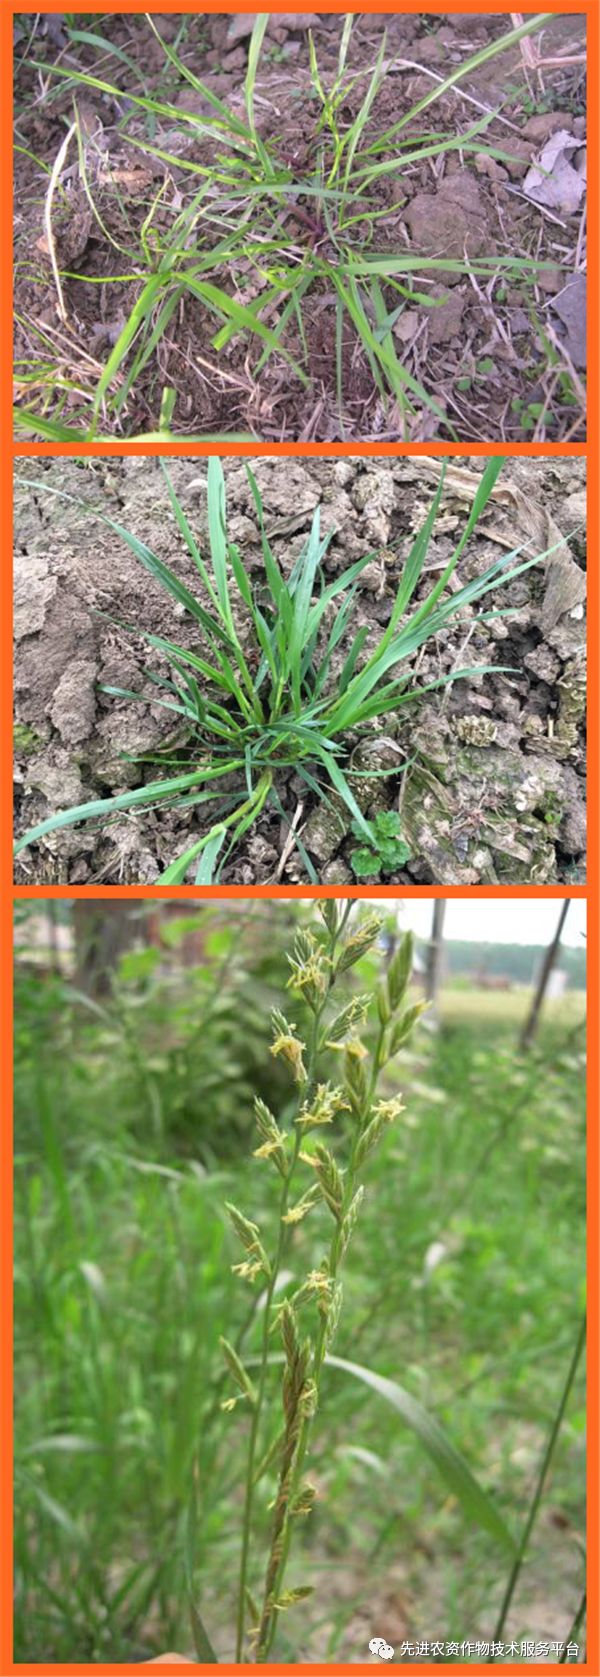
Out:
{"x": 209, "y": 847}
{"x": 351, "y": 139}
{"x": 398, "y": 378}
{"x": 157, "y": 789}
{"x": 301, "y": 586}
{"x": 394, "y": 696}
{"x": 540, "y": 1482}
{"x": 480, "y": 501}
{"x": 256, "y": 41}
{"x": 333, "y": 589}
{"x": 204, "y": 875}
{"x": 340, "y": 783}
{"x": 477, "y": 1505}
{"x": 466, "y": 69}
{"x": 354, "y": 653}
{"x": 86, "y": 38}
{"x": 146, "y": 351}
{"x": 227, "y": 117}
{"x": 412, "y": 570}
{"x": 139, "y": 313}
{"x": 156, "y": 107}
{"x": 279, "y": 590}
{"x": 189, "y": 539}
{"x": 202, "y": 1643}
{"x": 243, "y": 318}
{"x": 217, "y": 521}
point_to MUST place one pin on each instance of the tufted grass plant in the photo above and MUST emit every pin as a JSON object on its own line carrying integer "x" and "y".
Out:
{"x": 259, "y": 240}
{"x": 279, "y": 680}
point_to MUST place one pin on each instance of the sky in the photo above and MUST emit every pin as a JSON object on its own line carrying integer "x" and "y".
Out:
{"x": 497, "y": 920}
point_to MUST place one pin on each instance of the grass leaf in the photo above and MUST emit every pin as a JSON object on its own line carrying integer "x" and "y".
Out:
{"x": 477, "y": 1505}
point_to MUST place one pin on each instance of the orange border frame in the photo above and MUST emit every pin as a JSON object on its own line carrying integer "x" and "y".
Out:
{"x": 8, "y": 450}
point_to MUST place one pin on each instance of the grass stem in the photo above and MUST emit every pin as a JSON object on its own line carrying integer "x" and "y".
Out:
{"x": 541, "y": 1480}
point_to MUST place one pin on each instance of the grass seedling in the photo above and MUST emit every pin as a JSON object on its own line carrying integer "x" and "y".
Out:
{"x": 280, "y": 680}
{"x": 262, "y": 238}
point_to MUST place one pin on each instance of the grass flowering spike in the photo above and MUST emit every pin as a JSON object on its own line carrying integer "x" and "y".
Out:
{"x": 403, "y": 1026}
{"x": 328, "y": 911}
{"x": 257, "y": 1262}
{"x": 357, "y": 945}
{"x": 329, "y": 1178}
{"x": 399, "y": 970}
{"x": 337, "y": 1188}
{"x": 322, "y": 1108}
{"x": 272, "y": 1138}
{"x": 351, "y": 1017}
{"x": 289, "y": 1046}
{"x": 356, "y": 1082}
{"x": 309, "y": 965}
{"x": 238, "y": 1371}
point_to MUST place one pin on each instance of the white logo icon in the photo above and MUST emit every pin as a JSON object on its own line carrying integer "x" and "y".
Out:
{"x": 378, "y": 1645}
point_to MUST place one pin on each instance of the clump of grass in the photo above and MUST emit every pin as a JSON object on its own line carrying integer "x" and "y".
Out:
{"x": 259, "y": 700}
{"x": 231, "y": 247}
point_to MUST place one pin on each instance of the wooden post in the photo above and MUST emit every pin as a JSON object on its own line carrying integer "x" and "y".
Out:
{"x": 531, "y": 1023}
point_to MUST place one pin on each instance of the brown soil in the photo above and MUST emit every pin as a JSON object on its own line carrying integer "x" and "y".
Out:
{"x": 495, "y": 791}
{"x": 502, "y": 360}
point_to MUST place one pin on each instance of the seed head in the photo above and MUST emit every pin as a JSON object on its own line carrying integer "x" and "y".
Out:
{"x": 273, "y": 1140}
{"x": 350, "y": 1219}
{"x": 321, "y": 1286}
{"x": 351, "y": 1016}
{"x": 236, "y": 1368}
{"x": 388, "y": 1110}
{"x": 355, "y": 1082}
{"x": 328, "y": 911}
{"x": 310, "y": 969}
{"x": 399, "y": 970}
{"x": 257, "y": 1262}
{"x": 328, "y": 1176}
{"x": 403, "y": 1027}
{"x": 359, "y": 941}
{"x": 296, "y": 1212}
{"x": 289, "y": 1046}
{"x": 322, "y": 1109}
{"x": 304, "y": 1502}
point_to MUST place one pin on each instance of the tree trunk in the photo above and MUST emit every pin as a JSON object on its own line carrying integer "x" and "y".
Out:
{"x": 531, "y": 1023}
{"x": 435, "y": 949}
{"x": 102, "y": 931}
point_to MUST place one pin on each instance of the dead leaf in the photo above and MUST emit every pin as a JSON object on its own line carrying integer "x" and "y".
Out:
{"x": 553, "y": 181}
{"x": 570, "y": 306}
{"x": 529, "y": 525}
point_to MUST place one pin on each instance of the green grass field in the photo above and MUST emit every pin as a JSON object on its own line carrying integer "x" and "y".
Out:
{"x": 507, "y": 1009}
{"x": 464, "y": 1285}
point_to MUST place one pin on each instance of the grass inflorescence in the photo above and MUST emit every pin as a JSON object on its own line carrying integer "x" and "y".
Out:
{"x": 311, "y": 1176}
{"x": 280, "y": 680}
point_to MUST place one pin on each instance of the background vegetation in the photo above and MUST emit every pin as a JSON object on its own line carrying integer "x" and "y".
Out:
{"x": 141, "y": 1036}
